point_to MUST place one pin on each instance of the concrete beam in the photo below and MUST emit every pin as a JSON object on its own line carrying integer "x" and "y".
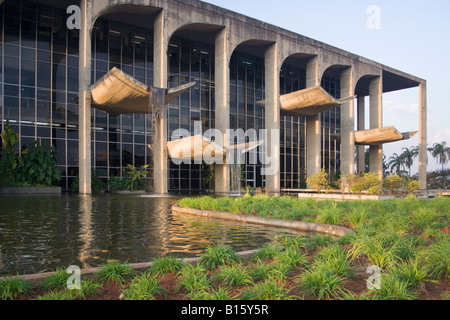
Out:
{"x": 272, "y": 119}
{"x": 222, "y": 120}
{"x": 423, "y": 135}
{"x": 160, "y": 154}
{"x": 347, "y": 124}
{"x": 84, "y": 104}
{"x": 376, "y": 121}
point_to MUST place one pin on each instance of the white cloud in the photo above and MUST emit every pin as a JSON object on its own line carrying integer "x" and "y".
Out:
{"x": 393, "y": 106}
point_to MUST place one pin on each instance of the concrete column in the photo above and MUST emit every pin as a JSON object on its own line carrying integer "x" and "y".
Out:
{"x": 160, "y": 154}
{"x": 376, "y": 121}
{"x": 272, "y": 119}
{"x": 347, "y": 124}
{"x": 361, "y": 124}
{"x": 222, "y": 120}
{"x": 313, "y": 124}
{"x": 423, "y": 135}
{"x": 84, "y": 104}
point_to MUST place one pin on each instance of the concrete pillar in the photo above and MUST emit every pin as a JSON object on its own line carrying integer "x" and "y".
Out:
{"x": 313, "y": 124}
{"x": 84, "y": 104}
{"x": 361, "y": 124}
{"x": 160, "y": 154}
{"x": 423, "y": 159}
{"x": 376, "y": 121}
{"x": 272, "y": 119}
{"x": 347, "y": 124}
{"x": 222, "y": 120}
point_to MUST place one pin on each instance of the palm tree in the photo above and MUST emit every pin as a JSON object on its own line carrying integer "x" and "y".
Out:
{"x": 408, "y": 156}
{"x": 441, "y": 153}
{"x": 396, "y": 163}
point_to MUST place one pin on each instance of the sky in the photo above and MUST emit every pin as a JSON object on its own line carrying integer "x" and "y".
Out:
{"x": 413, "y": 37}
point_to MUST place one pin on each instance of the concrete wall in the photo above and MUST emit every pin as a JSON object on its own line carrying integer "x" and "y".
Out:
{"x": 232, "y": 29}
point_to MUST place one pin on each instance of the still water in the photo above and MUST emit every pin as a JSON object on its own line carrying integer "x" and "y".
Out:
{"x": 40, "y": 233}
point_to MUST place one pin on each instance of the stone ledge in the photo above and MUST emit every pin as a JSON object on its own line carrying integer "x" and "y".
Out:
{"x": 289, "y": 224}
{"x": 30, "y": 190}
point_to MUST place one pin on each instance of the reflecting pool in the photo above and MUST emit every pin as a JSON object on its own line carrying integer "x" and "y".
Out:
{"x": 41, "y": 232}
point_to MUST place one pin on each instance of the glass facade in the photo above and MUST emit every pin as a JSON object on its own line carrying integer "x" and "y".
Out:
{"x": 39, "y": 86}
{"x": 292, "y": 152}
{"x": 246, "y": 88}
{"x": 39, "y": 97}
{"x": 190, "y": 61}
{"x": 331, "y": 127}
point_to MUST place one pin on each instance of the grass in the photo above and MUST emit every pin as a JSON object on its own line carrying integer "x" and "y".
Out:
{"x": 115, "y": 271}
{"x": 12, "y": 287}
{"x": 408, "y": 239}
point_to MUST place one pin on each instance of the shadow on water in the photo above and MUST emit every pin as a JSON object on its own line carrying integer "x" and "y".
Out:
{"x": 40, "y": 233}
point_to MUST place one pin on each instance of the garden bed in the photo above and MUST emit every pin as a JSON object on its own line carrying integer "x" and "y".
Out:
{"x": 407, "y": 239}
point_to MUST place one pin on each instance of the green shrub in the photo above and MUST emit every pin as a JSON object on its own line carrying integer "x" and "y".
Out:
{"x": 393, "y": 288}
{"x": 234, "y": 275}
{"x": 58, "y": 280}
{"x": 270, "y": 289}
{"x": 12, "y": 287}
{"x": 322, "y": 282}
{"x": 166, "y": 264}
{"x": 319, "y": 181}
{"x": 144, "y": 287}
{"x": 367, "y": 182}
{"x": 193, "y": 278}
{"x": 115, "y": 271}
{"x": 392, "y": 182}
{"x": 218, "y": 255}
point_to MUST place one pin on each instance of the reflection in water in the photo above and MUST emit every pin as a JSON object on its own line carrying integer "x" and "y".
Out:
{"x": 40, "y": 233}
{"x": 86, "y": 232}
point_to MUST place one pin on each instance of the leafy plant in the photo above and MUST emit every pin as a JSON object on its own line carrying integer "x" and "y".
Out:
{"x": 322, "y": 282}
{"x": 39, "y": 166}
{"x": 234, "y": 275}
{"x": 166, "y": 264}
{"x": 12, "y": 287}
{"x": 193, "y": 278}
{"x": 392, "y": 182}
{"x": 57, "y": 280}
{"x": 270, "y": 289}
{"x": 217, "y": 255}
{"x": 134, "y": 179}
{"x": 393, "y": 288}
{"x": 115, "y": 271}
{"x": 8, "y": 161}
{"x": 144, "y": 287}
{"x": 367, "y": 182}
{"x": 319, "y": 181}
{"x": 97, "y": 184}
{"x": 212, "y": 294}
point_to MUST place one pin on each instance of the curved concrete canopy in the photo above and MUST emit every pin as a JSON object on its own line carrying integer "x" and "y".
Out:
{"x": 117, "y": 93}
{"x": 381, "y": 135}
{"x": 195, "y": 147}
{"x": 307, "y": 102}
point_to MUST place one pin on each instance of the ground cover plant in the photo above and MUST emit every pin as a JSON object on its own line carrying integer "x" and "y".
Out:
{"x": 407, "y": 239}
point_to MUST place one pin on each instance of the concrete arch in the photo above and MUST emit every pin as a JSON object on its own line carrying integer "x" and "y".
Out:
{"x": 309, "y": 62}
{"x": 362, "y": 85}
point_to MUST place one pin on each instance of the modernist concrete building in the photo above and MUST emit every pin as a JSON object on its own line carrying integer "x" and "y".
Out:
{"x": 238, "y": 64}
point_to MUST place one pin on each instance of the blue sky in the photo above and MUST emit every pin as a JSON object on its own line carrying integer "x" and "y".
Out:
{"x": 414, "y": 38}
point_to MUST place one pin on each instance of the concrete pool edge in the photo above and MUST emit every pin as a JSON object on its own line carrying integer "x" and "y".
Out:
{"x": 273, "y": 222}
{"x": 37, "y": 277}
